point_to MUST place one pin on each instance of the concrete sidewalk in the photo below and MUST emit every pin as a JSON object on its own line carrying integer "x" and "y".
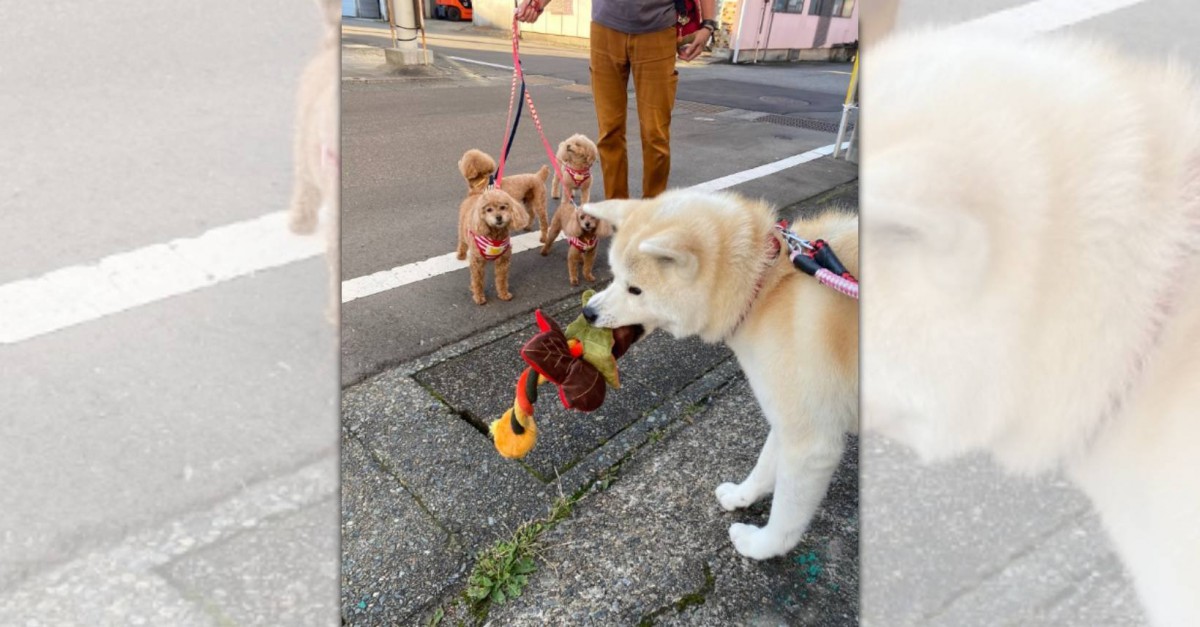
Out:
{"x": 962, "y": 544}
{"x": 642, "y": 540}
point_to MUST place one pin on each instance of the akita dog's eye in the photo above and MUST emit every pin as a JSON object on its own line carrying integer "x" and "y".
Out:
{"x": 635, "y": 290}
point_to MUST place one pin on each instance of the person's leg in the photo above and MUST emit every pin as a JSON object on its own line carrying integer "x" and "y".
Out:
{"x": 652, "y": 58}
{"x": 610, "y": 77}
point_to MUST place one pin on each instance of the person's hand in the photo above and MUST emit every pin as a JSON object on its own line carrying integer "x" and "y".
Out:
{"x": 530, "y": 10}
{"x": 692, "y": 50}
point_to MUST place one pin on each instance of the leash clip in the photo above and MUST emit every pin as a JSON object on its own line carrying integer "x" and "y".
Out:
{"x": 794, "y": 241}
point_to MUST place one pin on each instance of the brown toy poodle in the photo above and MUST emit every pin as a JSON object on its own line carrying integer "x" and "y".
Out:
{"x": 583, "y": 236}
{"x": 576, "y": 155}
{"x": 485, "y": 220}
{"x": 530, "y": 189}
{"x": 317, "y": 163}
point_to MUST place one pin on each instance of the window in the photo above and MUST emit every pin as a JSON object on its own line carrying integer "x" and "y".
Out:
{"x": 789, "y": 6}
{"x": 831, "y": 8}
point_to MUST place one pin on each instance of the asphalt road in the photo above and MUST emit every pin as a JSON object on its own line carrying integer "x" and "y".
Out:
{"x": 1152, "y": 28}
{"x": 962, "y": 543}
{"x": 123, "y": 131}
{"x": 401, "y": 189}
{"x": 820, "y": 81}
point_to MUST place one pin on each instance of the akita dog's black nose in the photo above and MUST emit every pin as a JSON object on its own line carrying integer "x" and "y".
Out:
{"x": 590, "y": 315}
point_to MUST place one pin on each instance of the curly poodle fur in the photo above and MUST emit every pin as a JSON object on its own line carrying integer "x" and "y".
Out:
{"x": 316, "y": 182}
{"x": 494, "y": 214}
{"x": 580, "y": 153}
{"x": 476, "y": 166}
{"x": 569, "y": 220}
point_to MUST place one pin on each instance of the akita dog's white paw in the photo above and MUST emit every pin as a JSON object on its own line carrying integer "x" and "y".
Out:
{"x": 731, "y": 496}
{"x": 755, "y": 542}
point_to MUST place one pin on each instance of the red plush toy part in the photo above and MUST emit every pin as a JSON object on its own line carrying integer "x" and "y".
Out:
{"x": 580, "y": 384}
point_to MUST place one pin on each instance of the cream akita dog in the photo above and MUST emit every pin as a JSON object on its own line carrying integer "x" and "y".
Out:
{"x": 711, "y": 265}
{"x": 1030, "y": 218}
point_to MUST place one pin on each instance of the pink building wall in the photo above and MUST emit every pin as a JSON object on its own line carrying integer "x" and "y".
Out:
{"x": 788, "y": 31}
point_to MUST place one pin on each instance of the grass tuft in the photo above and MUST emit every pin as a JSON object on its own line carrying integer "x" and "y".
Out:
{"x": 502, "y": 571}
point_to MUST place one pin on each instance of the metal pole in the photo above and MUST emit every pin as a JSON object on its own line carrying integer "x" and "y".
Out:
{"x": 391, "y": 11}
{"x": 770, "y": 26}
{"x": 852, "y": 90}
{"x": 419, "y": 9}
{"x": 758, "y": 35}
{"x": 847, "y": 107}
{"x": 852, "y": 149}
{"x": 841, "y": 134}
{"x": 737, "y": 43}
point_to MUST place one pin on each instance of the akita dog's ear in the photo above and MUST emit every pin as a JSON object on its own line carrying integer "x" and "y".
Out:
{"x": 672, "y": 248}
{"x": 615, "y": 211}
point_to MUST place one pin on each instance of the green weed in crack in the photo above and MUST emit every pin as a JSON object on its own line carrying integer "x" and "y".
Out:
{"x": 502, "y": 571}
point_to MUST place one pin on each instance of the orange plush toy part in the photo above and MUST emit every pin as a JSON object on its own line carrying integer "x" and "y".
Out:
{"x": 579, "y": 363}
{"x": 515, "y": 433}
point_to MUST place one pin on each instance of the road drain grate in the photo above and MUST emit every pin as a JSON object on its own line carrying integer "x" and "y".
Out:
{"x": 827, "y": 126}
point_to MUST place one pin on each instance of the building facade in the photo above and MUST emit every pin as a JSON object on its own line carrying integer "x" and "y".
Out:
{"x": 750, "y": 29}
{"x": 366, "y": 9}
{"x": 776, "y": 30}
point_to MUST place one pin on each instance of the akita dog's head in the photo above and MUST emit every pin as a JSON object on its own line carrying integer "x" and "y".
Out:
{"x": 684, "y": 262}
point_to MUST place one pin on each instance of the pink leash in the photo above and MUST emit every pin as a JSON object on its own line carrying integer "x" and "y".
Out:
{"x": 519, "y": 74}
{"x": 817, "y": 260}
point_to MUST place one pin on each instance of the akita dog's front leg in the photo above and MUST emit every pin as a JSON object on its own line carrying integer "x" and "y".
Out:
{"x": 803, "y": 470}
{"x": 758, "y": 484}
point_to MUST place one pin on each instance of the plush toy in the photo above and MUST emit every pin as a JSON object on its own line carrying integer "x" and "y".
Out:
{"x": 581, "y": 362}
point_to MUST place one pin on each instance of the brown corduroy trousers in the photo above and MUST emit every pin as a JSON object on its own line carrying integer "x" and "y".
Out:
{"x": 651, "y": 60}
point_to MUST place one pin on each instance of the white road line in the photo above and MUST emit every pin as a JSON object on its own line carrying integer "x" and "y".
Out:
{"x": 1041, "y": 16}
{"x": 495, "y": 65}
{"x": 123, "y": 584}
{"x": 385, "y": 280}
{"x": 82, "y": 293}
{"x": 738, "y": 178}
{"x": 399, "y": 276}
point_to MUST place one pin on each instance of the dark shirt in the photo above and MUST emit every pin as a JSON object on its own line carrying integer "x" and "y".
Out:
{"x": 634, "y": 16}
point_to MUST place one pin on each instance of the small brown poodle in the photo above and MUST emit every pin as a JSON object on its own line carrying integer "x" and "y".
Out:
{"x": 583, "y": 235}
{"x": 485, "y": 219}
{"x": 530, "y": 189}
{"x": 576, "y": 155}
{"x": 316, "y": 156}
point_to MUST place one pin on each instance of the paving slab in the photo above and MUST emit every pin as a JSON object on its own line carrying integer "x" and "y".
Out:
{"x": 395, "y": 557}
{"x": 278, "y": 573}
{"x": 446, "y": 463}
{"x": 654, "y": 546}
{"x": 480, "y": 384}
{"x": 960, "y": 543}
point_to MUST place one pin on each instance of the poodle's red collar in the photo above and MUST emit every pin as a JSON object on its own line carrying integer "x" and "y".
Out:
{"x": 584, "y": 244}
{"x": 491, "y": 249}
{"x": 578, "y": 176}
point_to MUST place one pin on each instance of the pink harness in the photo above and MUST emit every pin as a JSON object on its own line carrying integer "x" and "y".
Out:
{"x": 577, "y": 176}
{"x": 583, "y": 245}
{"x": 491, "y": 249}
